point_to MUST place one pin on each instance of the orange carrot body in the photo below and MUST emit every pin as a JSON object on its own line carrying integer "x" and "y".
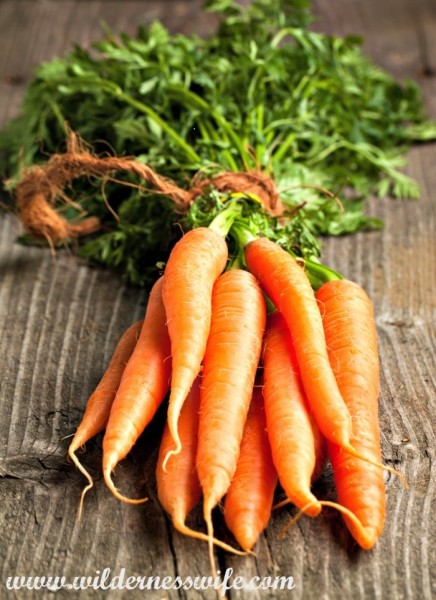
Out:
{"x": 100, "y": 402}
{"x": 248, "y": 503}
{"x": 229, "y": 369}
{"x": 289, "y": 288}
{"x": 298, "y": 448}
{"x": 352, "y": 344}
{"x": 178, "y": 487}
{"x": 193, "y": 266}
{"x": 144, "y": 384}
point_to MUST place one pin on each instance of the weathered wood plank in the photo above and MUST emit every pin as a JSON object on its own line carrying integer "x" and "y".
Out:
{"x": 26, "y": 38}
{"x": 60, "y": 320}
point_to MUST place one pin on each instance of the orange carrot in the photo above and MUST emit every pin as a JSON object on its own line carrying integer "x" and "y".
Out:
{"x": 352, "y": 345}
{"x": 248, "y": 503}
{"x": 100, "y": 402}
{"x": 193, "y": 266}
{"x": 286, "y": 283}
{"x": 144, "y": 384}
{"x": 298, "y": 448}
{"x": 229, "y": 368}
{"x": 178, "y": 487}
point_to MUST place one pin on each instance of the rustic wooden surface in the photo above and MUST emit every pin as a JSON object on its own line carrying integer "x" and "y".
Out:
{"x": 59, "y": 321}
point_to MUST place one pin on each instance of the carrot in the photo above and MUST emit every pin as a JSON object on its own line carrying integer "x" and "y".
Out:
{"x": 229, "y": 369}
{"x": 193, "y": 266}
{"x": 248, "y": 503}
{"x": 352, "y": 345}
{"x": 286, "y": 283}
{"x": 178, "y": 487}
{"x": 144, "y": 384}
{"x": 100, "y": 402}
{"x": 298, "y": 448}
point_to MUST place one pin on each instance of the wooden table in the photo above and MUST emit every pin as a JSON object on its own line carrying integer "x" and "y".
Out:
{"x": 60, "y": 319}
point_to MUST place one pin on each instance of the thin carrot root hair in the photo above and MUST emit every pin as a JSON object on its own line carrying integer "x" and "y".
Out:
{"x": 294, "y": 519}
{"x": 107, "y": 473}
{"x": 72, "y": 454}
{"x": 182, "y": 528}
{"x": 207, "y": 514}
{"x": 357, "y": 454}
{"x": 176, "y": 438}
{"x": 302, "y": 511}
{"x": 285, "y": 502}
{"x": 342, "y": 509}
{"x": 349, "y": 448}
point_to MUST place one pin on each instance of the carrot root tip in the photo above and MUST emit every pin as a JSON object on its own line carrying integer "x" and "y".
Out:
{"x": 182, "y": 528}
{"x": 366, "y": 539}
{"x": 367, "y": 536}
{"x": 294, "y": 519}
{"x": 76, "y": 461}
{"x": 313, "y": 504}
{"x": 207, "y": 513}
{"x": 108, "y": 479}
{"x": 171, "y": 453}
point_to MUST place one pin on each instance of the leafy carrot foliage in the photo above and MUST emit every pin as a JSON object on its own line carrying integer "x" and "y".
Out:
{"x": 263, "y": 91}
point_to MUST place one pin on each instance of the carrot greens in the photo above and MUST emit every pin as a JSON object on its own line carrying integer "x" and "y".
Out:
{"x": 263, "y": 92}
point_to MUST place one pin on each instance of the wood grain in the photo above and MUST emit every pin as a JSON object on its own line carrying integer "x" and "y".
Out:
{"x": 60, "y": 319}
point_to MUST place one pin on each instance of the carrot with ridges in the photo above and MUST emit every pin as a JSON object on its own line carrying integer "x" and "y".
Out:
{"x": 286, "y": 283}
{"x": 191, "y": 271}
{"x": 297, "y": 446}
{"x": 351, "y": 336}
{"x": 248, "y": 502}
{"x": 143, "y": 386}
{"x": 229, "y": 369}
{"x": 178, "y": 487}
{"x": 289, "y": 288}
{"x": 100, "y": 402}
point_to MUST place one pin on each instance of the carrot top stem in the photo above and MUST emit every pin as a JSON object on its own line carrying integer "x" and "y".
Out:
{"x": 238, "y": 219}
{"x": 318, "y": 274}
{"x": 223, "y": 222}
{"x": 244, "y": 231}
{"x": 108, "y": 479}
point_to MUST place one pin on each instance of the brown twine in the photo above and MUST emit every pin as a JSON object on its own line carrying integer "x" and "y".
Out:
{"x": 40, "y": 186}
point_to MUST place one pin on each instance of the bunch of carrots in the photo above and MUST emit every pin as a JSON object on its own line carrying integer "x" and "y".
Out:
{"x": 267, "y": 377}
